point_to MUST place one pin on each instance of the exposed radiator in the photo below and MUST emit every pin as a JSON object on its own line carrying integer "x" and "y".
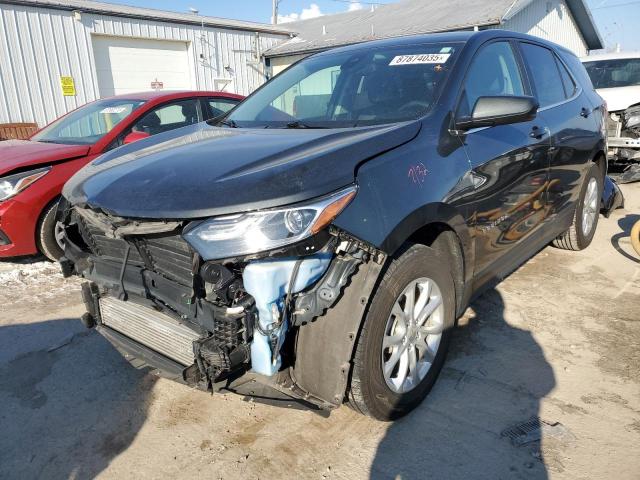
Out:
{"x": 150, "y": 328}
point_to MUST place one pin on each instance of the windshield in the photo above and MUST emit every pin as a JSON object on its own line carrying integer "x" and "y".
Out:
{"x": 361, "y": 87}
{"x": 622, "y": 72}
{"x": 88, "y": 124}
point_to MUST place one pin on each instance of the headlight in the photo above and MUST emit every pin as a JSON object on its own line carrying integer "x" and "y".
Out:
{"x": 254, "y": 232}
{"x": 14, "y": 184}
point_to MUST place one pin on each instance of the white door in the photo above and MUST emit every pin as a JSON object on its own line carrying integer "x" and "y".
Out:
{"x": 128, "y": 65}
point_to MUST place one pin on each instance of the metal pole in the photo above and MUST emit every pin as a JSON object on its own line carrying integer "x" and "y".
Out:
{"x": 274, "y": 11}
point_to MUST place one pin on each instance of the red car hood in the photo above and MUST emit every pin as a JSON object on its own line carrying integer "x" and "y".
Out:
{"x": 22, "y": 153}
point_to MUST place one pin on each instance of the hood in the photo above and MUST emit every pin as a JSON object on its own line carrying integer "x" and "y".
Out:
{"x": 23, "y": 153}
{"x": 201, "y": 171}
{"x": 620, "y": 98}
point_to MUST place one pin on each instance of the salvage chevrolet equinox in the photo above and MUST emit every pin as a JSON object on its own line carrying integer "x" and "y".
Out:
{"x": 316, "y": 244}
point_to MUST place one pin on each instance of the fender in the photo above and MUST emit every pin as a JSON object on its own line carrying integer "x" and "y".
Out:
{"x": 430, "y": 214}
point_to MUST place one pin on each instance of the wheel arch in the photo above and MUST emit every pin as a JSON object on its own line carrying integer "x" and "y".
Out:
{"x": 446, "y": 242}
{"x": 41, "y": 216}
{"x": 425, "y": 216}
{"x": 600, "y": 159}
{"x": 425, "y": 225}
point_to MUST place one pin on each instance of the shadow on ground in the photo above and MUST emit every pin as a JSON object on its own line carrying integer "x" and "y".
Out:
{"x": 68, "y": 410}
{"x": 25, "y": 260}
{"x": 626, "y": 223}
{"x": 494, "y": 378}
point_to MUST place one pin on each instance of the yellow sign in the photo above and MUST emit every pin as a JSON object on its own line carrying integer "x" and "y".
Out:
{"x": 68, "y": 87}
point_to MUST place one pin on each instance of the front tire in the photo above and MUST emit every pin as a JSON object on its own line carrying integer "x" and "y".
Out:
{"x": 585, "y": 220}
{"x": 405, "y": 336}
{"x": 48, "y": 243}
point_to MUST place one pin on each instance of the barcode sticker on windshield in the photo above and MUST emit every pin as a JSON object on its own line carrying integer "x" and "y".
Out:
{"x": 113, "y": 110}
{"x": 420, "y": 58}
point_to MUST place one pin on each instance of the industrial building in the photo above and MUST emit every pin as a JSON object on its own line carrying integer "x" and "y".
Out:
{"x": 56, "y": 55}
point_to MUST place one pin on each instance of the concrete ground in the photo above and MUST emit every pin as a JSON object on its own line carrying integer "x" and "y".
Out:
{"x": 557, "y": 342}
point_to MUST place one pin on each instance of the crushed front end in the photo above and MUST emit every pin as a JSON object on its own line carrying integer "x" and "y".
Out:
{"x": 203, "y": 302}
{"x": 623, "y": 132}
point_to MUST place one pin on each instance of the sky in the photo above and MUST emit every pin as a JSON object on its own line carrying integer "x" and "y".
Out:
{"x": 617, "y": 20}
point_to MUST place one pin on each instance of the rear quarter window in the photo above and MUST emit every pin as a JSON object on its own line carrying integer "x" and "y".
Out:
{"x": 567, "y": 81}
{"x": 577, "y": 69}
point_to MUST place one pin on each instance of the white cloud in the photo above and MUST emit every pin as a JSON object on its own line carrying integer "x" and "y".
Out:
{"x": 312, "y": 12}
{"x": 355, "y": 6}
{"x": 292, "y": 17}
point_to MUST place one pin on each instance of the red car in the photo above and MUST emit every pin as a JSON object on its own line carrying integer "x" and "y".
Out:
{"x": 32, "y": 172}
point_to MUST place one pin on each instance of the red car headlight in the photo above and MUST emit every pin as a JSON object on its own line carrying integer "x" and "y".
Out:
{"x": 14, "y": 184}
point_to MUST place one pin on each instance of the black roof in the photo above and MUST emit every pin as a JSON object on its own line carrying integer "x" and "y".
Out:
{"x": 445, "y": 37}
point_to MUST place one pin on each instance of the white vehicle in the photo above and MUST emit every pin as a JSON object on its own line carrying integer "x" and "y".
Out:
{"x": 616, "y": 77}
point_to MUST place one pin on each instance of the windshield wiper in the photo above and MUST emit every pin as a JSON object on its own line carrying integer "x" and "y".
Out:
{"x": 299, "y": 124}
{"x": 229, "y": 123}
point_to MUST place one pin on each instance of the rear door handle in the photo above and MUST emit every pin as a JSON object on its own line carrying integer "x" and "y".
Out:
{"x": 538, "y": 133}
{"x": 585, "y": 112}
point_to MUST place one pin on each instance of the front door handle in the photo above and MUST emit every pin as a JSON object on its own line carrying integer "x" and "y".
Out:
{"x": 538, "y": 133}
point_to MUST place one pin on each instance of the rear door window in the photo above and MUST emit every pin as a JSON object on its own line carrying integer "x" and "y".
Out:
{"x": 220, "y": 106}
{"x": 169, "y": 117}
{"x": 493, "y": 72}
{"x": 544, "y": 74}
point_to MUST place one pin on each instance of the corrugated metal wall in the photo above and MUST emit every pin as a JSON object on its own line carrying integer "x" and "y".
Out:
{"x": 550, "y": 20}
{"x": 38, "y": 46}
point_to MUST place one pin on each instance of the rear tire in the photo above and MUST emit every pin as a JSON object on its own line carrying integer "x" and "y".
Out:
{"x": 635, "y": 237}
{"x": 372, "y": 391}
{"x": 46, "y": 235}
{"x": 581, "y": 232}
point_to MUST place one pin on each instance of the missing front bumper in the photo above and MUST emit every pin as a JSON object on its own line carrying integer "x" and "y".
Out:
{"x": 151, "y": 328}
{"x": 140, "y": 356}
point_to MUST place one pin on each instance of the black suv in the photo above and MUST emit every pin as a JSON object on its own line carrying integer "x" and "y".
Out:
{"x": 317, "y": 243}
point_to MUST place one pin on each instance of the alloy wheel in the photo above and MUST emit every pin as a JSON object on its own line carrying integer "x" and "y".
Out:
{"x": 590, "y": 207}
{"x": 412, "y": 335}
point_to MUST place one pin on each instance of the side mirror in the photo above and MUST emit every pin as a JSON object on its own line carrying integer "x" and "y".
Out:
{"x": 502, "y": 110}
{"x": 134, "y": 137}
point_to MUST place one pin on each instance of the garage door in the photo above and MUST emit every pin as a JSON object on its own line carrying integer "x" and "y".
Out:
{"x": 127, "y": 65}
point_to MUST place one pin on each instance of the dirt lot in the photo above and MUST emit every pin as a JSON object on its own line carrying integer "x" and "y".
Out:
{"x": 558, "y": 341}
